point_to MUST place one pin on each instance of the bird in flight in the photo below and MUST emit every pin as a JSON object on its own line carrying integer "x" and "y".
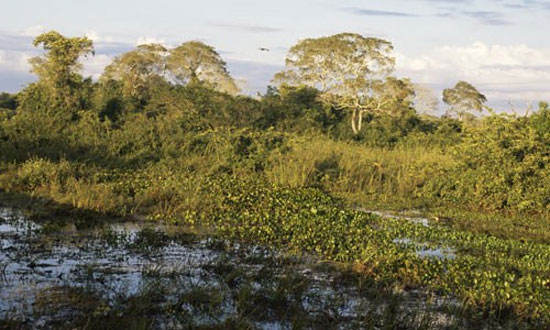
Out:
{"x": 263, "y": 49}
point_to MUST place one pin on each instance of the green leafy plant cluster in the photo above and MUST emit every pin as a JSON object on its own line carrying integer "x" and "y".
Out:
{"x": 494, "y": 276}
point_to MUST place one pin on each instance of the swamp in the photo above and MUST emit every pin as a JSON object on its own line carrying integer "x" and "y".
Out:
{"x": 161, "y": 197}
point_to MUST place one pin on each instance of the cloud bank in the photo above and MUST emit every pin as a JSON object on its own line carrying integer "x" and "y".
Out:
{"x": 373, "y": 12}
{"x": 515, "y": 73}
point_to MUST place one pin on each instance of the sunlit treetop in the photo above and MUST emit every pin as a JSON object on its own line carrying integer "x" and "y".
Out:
{"x": 464, "y": 98}
{"x": 339, "y": 63}
{"x": 350, "y": 70}
{"x": 190, "y": 63}
{"x": 136, "y": 67}
{"x": 58, "y": 70}
{"x": 195, "y": 62}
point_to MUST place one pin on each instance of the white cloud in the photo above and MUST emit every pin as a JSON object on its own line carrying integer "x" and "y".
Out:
{"x": 94, "y": 65}
{"x": 14, "y": 61}
{"x": 150, "y": 40}
{"x": 514, "y": 72}
{"x": 95, "y": 37}
{"x": 14, "y": 58}
{"x": 17, "y": 50}
{"x": 19, "y": 62}
{"x": 33, "y": 31}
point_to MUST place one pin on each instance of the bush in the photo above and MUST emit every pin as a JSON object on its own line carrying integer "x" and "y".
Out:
{"x": 501, "y": 164}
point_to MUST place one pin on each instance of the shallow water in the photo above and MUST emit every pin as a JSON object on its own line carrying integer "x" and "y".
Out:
{"x": 106, "y": 261}
{"x": 385, "y": 214}
{"x": 125, "y": 260}
{"x": 423, "y": 249}
{"x": 121, "y": 260}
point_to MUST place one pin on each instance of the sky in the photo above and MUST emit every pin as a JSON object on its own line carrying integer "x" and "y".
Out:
{"x": 499, "y": 46}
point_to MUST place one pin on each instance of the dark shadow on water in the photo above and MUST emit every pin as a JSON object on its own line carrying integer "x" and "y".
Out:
{"x": 47, "y": 211}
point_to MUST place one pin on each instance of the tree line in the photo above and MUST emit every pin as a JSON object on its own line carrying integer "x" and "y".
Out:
{"x": 348, "y": 72}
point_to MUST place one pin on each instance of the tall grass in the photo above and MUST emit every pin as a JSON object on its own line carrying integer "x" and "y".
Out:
{"x": 351, "y": 169}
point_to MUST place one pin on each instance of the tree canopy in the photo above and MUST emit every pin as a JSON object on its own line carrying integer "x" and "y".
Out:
{"x": 8, "y": 101}
{"x": 196, "y": 62}
{"x": 464, "y": 99}
{"x": 58, "y": 70}
{"x": 136, "y": 68}
{"x": 192, "y": 62}
{"x": 425, "y": 100}
{"x": 347, "y": 68}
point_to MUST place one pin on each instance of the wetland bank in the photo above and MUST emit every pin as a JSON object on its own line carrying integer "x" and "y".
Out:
{"x": 163, "y": 199}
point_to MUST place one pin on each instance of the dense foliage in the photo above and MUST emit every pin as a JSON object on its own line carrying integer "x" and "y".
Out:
{"x": 502, "y": 164}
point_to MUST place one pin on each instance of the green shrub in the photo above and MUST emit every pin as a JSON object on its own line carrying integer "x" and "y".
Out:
{"x": 502, "y": 164}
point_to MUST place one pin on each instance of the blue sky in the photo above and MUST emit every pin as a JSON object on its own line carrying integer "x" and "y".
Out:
{"x": 500, "y": 46}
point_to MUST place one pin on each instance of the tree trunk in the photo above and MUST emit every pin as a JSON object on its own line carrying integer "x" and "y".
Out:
{"x": 359, "y": 121}
{"x": 354, "y": 122}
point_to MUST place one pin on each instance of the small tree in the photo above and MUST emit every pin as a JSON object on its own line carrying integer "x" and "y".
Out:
{"x": 463, "y": 100}
{"x": 397, "y": 95}
{"x": 195, "y": 62}
{"x": 153, "y": 64}
{"x": 425, "y": 100}
{"x": 59, "y": 69}
{"x": 347, "y": 68}
{"x": 136, "y": 69}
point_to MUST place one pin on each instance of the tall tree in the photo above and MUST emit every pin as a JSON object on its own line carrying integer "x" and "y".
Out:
{"x": 464, "y": 99}
{"x": 58, "y": 70}
{"x": 397, "y": 95}
{"x": 425, "y": 100}
{"x": 195, "y": 62}
{"x": 136, "y": 69}
{"x": 347, "y": 68}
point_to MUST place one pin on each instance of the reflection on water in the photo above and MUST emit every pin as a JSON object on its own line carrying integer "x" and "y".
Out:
{"x": 418, "y": 220}
{"x": 110, "y": 261}
{"x": 424, "y": 250}
{"x": 200, "y": 281}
